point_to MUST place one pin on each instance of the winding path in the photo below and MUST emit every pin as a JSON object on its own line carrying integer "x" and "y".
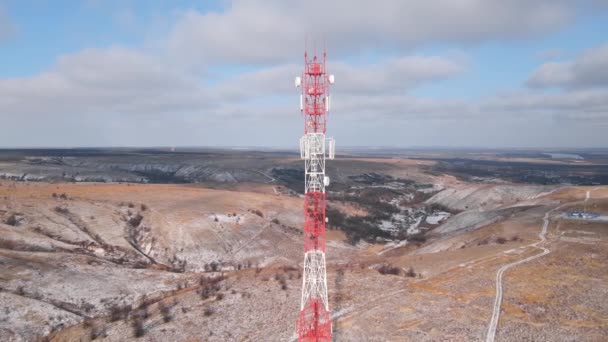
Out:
{"x": 498, "y": 300}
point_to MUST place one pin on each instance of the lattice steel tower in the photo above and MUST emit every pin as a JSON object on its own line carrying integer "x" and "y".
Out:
{"x": 314, "y": 323}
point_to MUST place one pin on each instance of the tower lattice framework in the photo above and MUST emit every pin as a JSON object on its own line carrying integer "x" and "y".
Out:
{"x": 314, "y": 322}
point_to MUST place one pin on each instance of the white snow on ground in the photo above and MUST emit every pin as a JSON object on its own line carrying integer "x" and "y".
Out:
{"x": 597, "y": 218}
{"x": 437, "y": 217}
{"x": 408, "y": 218}
{"x": 487, "y": 197}
{"x": 435, "y": 187}
{"x": 392, "y": 245}
{"x": 228, "y": 218}
{"x": 413, "y": 228}
{"x": 387, "y": 225}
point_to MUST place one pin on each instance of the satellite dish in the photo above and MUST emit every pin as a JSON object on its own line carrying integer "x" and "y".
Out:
{"x": 298, "y": 81}
{"x": 332, "y": 79}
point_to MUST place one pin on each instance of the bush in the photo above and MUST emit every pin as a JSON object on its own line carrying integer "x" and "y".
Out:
{"x": 165, "y": 311}
{"x": 208, "y": 312}
{"x": 417, "y": 238}
{"x": 214, "y": 266}
{"x": 135, "y": 221}
{"x": 433, "y": 207}
{"x": 275, "y": 221}
{"x": 389, "y": 269}
{"x": 138, "y": 326}
{"x": 257, "y": 212}
{"x": 209, "y": 286}
{"x": 410, "y": 272}
{"x": 143, "y": 207}
{"x": 360, "y": 228}
{"x": 118, "y": 312}
{"x": 98, "y": 331}
{"x": 11, "y": 220}
{"x": 61, "y": 210}
{"x": 501, "y": 240}
{"x": 483, "y": 242}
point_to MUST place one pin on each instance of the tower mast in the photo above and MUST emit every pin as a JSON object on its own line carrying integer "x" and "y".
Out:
{"x": 314, "y": 322}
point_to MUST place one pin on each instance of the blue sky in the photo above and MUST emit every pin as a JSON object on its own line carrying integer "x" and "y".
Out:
{"x": 474, "y": 73}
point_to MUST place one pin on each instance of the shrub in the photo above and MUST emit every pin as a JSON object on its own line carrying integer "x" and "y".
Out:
{"x": 138, "y": 326}
{"x": 209, "y": 286}
{"x": 143, "y": 207}
{"x": 87, "y": 323}
{"x": 63, "y": 196}
{"x": 501, "y": 240}
{"x": 219, "y": 296}
{"x": 417, "y": 238}
{"x": 410, "y": 272}
{"x": 118, "y": 312}
{"x": 208, "y": 312}
{"x": 389, "y": 269}
{"x": 440, "y": 207}
{"x": 165, "y": 311}
{"x": 61, "y": 210}
{"x": 98, "y": 331}
{"x": 135, "y": 221}
{"x": 11, "y": 220}
{"x": 335, "y": 217}
{"x": 275, "y": 221}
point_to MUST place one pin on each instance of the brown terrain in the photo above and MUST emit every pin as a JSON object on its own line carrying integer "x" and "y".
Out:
{"x": 222, "y": 262}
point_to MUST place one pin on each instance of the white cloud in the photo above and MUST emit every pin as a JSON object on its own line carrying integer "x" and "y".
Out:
{"x": 113, "y": 80}
{"x": 131, "y": 96}
{"x": 390, "y": 76}
{"x": 256, "y": 31}
{"x": 588, "y": 70}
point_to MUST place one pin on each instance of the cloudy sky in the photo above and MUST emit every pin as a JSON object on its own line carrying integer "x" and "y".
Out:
{"x": 466, "y": 73}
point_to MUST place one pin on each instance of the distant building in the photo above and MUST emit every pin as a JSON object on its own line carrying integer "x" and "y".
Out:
{"x": 582, "y": 215}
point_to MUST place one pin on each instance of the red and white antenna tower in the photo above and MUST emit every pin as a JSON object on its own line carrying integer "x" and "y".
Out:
{"x": 314, "y": 323}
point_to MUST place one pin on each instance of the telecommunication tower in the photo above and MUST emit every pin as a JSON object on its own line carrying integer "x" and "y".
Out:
{"x": 314, "y": 322}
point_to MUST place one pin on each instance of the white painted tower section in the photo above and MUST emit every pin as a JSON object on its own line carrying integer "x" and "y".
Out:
{"x": 312, "y": 150}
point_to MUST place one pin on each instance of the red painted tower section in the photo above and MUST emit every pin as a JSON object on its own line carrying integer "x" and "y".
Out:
{"x": 314, "y": 323}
